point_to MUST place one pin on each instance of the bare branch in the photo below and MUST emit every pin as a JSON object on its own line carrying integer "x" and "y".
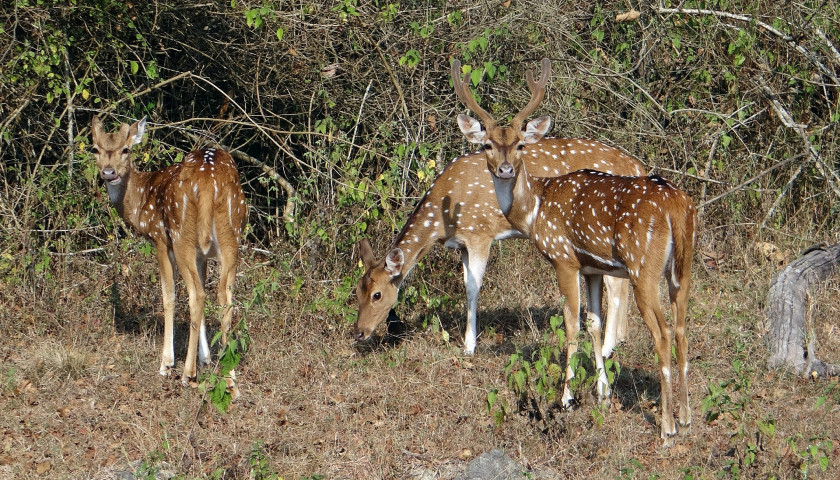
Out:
{"x": 769, "y": 28}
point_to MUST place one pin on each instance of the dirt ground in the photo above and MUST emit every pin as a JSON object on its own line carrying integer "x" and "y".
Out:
{"x": 82, "y": 398}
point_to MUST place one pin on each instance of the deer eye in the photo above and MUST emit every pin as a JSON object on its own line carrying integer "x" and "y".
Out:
{"x": 125, "y": 151}
{"x": 488, "y": 146}
{"x": 377, "y": 296}
{"x": 94, "y": 150}
{"x": 520, "y": 147}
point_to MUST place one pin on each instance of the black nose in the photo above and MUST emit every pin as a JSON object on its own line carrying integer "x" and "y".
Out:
{"x": 505, "y": 170}
{"x": 358, "y": 334}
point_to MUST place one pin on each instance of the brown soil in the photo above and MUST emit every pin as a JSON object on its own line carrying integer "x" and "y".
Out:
{"x": 81, "y": 396}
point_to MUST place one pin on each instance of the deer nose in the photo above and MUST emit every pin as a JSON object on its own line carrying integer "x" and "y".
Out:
{"x": 505, "y": 170}
{"x": 358, "y": 334}
{"x": 108, "y": 173}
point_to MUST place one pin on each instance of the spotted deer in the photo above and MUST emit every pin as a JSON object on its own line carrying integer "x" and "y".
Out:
{"x": 460, "y": 211}
{"x": 593, "y": 224}
{"x": 191, "y": 211}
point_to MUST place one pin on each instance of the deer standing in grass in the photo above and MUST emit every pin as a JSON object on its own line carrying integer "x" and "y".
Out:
{"x": 460, "y": 211}
{"x": 594, "y": 224}
{"x": 191, "y": 211}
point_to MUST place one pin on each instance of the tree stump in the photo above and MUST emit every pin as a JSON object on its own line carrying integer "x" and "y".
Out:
{"x": 788, "y": 312}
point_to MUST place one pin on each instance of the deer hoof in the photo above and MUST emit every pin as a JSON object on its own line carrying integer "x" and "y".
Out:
{"x": 189, "y": 381}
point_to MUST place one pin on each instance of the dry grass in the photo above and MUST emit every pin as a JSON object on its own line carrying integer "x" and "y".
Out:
{"x": 82, "y": 398}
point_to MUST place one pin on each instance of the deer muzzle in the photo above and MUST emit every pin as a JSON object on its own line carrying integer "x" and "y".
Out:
{"x": 505, "y": 170}
{"x": 110, "y": 175}
{"x": 360, "y": 334}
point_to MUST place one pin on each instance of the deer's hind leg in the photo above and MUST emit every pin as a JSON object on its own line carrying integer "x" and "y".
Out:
{"x": 228, "y": 257}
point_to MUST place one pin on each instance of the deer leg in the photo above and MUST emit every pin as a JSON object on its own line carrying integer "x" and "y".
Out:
{"x": 228, "y": 258}
{"x": 203, "y": 346}
{"x": 679, "y": 304}
{"x": 568, "y": 280}
{"x": 594, "y": 284}
{"x": 615, "y": 331}
{"x": 647, "y": 298}
{"x": 474, "y": 259}
{"x": 167, "y": 284}
{"x": 188, "y": 265}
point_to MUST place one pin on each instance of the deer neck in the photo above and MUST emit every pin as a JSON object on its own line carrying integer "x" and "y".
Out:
{"x": 519, "y": 199}
{"x": 130, "y": 194}
{"x": 422, "y": 230}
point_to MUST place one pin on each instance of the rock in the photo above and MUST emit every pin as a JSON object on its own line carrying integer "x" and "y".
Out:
{"x": 493, "y": 465}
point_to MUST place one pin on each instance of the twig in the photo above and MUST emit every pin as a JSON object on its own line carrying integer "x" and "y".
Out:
{"x": 780, "y": 197}
{"x": 829, "y": 43}
{"x": 81, "y": 252}
{"x": 358, "y": 120}
{"x": 390, "y": 74}
{"x": 749, "y": 18}
{"x": 248, "y": 116}
{"x": 149, "y": 90}
{"x": 743, "y": 184}
{"x": 706, "y": 174}
{"x": 695, "y": 177}
{"x": 830, "y": 176}
{"x": 71, "y": 110}
{"x": 289, "y": 209}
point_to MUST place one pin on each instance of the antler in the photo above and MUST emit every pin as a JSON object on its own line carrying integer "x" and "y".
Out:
{"x": 462, "y": 89}
{"x": 537, "y": 93}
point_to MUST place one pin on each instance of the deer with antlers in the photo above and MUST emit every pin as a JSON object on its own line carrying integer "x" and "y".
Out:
{"x": 593, "y": 224}
{"x": 191, "y": 211}
{"x": 460, "y": 211}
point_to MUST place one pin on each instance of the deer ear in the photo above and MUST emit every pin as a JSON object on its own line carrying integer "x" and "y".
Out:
{"x": 96, "y": 126}
{"x": 394, "y": 262}
{"x": 536, "y": 129}
{"x": 366, "y": 252}
{"x": 471, "y": 128}
{"x": 137, "y": 131}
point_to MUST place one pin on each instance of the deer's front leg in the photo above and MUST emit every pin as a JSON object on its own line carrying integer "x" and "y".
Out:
{"x": 167, "y": 284}
{"x": 615, "y": 330}
{"x": 569, "y": 281}
{"x": 594, "y": 284}
{"x": 474, "y": 259}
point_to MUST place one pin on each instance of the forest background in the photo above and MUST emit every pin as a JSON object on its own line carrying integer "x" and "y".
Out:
{"x": 340, "y": 114}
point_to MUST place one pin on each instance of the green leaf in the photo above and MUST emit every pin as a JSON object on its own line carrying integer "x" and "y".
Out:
{"x": 135, "y": 67}
{"x": 492, "y": 395}
{"x": 475, "y": 76}
{"x": 151, "y": 70}
{"x": 279, "y": 34}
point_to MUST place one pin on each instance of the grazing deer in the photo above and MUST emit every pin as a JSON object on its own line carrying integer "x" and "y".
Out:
{"x": 594, "y": 224}
{"x": 191, "y": 211}
{"x": 460, "y": 211}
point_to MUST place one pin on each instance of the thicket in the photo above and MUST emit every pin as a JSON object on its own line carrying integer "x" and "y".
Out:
{"x": 352, "y": 104}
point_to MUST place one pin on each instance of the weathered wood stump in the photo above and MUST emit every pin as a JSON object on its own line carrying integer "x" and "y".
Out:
{"x": 788, "y": 312}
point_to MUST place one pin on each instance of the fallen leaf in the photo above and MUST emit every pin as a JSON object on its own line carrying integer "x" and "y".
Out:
{"x": 432, "y": 122}
{"x": 629, "y": 16}
{"x": 329, "y": 70}
{"x": 43, "y": 468}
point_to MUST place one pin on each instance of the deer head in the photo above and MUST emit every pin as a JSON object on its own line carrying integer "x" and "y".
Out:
{"x": 112, "y": 150}
{"x": 503, "y": 145}
{"x": 378, "y": 289}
